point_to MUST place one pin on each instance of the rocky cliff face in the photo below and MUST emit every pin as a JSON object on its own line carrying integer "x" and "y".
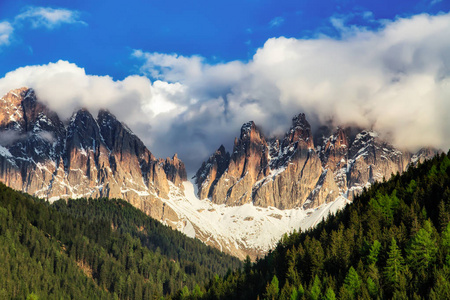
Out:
{"x": 87, "y": 157}
{"x": 292, "y": 171}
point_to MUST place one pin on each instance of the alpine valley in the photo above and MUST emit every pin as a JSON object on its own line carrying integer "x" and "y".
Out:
{"x": 240, "y": 202}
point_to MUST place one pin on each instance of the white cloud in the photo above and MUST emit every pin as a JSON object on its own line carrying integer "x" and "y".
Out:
{"x": 48, "y": 17}
{"x": 275, "y": 22}
{"x": 395, "y": 80}
{"x": 6, "y": 31}
{"x": 66, "y": 87}
{"x": 38, "y": 17}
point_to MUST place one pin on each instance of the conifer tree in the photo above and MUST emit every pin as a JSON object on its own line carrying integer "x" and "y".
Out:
{"x": 272, "y": 289}
{"x": 423, "y": 249}
{"x": 445, "y": 241}
{"x": 294, "y": 294}
{"x": 329, "y": 295}
{"x": 314, "y": 292}
{"x": 373, "y": 254}
{"x": 394, "y": 269}
{"x": 352, "y": 282}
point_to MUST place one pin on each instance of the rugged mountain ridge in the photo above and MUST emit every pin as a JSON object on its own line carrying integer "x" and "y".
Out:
{"x": 247, "y": 199}
{"x": 87, "y": 157}
{"x": 292, "y": 171}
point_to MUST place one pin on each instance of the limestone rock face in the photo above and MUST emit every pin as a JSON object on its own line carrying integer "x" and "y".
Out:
{"x": 210, "y": 172}
{"x": 175, "y": 170}
{"x": 280, "y": 172}
{"x": 295, "y": 169}
{"x": 293, "y": 172}
{"x": 87, "y": 157}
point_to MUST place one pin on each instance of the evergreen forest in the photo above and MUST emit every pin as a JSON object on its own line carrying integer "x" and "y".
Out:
{"x": 392, "y": 242}
{"x": 96, "y": 249}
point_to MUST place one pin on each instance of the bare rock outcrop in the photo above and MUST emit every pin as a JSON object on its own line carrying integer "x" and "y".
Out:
{"x": 86, "y": 157}
{"x": 293, "y": 172}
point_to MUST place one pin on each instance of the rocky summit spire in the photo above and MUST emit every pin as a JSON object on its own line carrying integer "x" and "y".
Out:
{"x": 299, "y": 133}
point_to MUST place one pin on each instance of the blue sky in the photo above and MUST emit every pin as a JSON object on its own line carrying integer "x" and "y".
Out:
{"x": 185, "y": 75}
{"x": 104, "y": 33}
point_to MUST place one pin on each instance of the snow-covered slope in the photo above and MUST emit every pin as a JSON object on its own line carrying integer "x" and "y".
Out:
{"x": 244, "y": 229}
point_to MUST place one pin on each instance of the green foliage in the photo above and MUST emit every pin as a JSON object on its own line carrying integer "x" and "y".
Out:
{"x": 185, "y": 293}
{"x": 352, "y": 282}
{"x": 300, "y": 290}
{"x": 294, "y": 294}
{"x": 329, "y": 295}
{"x": 395, "y": 266}
{"x": 96, "y": 249}
{"x": 32, "y": 296}
{"x": 441, "y": 289}
{"x": 314, "y": 292}
{"x": 411, "y": 188}
{"x": 372, "y": 288}
{"x": 272, "y": 289}
{"x": 422, "y": 251}
{"x": 374, "y": 251}
{"x": 445, "y": 242}
{"x": 385, "y": 204}
{"x": 392, "y": 242}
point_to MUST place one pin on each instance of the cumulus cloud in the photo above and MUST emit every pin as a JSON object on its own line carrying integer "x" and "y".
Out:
{"x": 66, "y": 87}
{"x": 48, "y": 17}
{"x": 395, "y": 79}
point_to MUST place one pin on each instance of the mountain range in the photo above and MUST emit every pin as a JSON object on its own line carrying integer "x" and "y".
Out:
{"x": 240, "y": 202}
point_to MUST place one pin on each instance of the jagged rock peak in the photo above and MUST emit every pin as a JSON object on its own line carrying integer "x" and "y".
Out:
{"x": 11, "y": 108}
{"x": 211, "y": 171}
{"x": 221, "y": 150}
{"x": 17, "y": 94}
{"x": 213, "y": 168}
{"x": 290, "y": 172}
{"x": 337, "y": 140}
{"x": 300, "y": 121}
{"x": 341, "y": 137}
{"x": 83, "y": 157}
{"x": 299, "y": 132}
{"x": 248, "y": 131}
{"x": 29, "y": 94}
{"x": 83, "y": 126}
{"x": 106, "y": 118}
{"x": 80, "y": 117}
{"x": 247, "y": 127}
{"x": 175, "y": 169}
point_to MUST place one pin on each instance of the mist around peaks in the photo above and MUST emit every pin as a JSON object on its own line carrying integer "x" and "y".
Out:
{"x": 394, "y": 81}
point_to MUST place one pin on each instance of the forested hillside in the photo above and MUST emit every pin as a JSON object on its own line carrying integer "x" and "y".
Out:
{"x": 96, "y": 249}
{"x": 392, "y": 242}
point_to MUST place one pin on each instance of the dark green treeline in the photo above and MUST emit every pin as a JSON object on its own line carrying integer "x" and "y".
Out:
{"x": 96, "y": 249}
{"x": 392, "y": 242}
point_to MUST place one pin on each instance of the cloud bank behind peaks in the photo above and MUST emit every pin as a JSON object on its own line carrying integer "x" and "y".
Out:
{"x": 395, "y": 80}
